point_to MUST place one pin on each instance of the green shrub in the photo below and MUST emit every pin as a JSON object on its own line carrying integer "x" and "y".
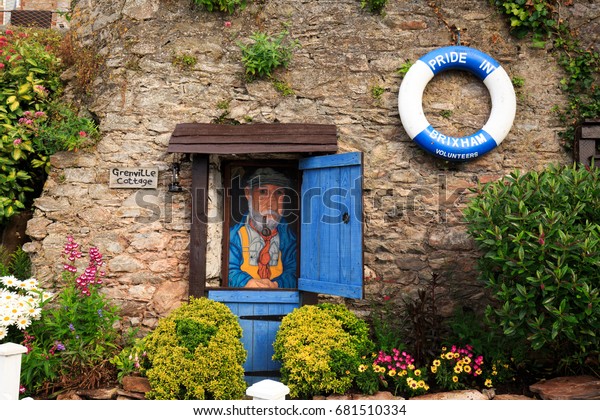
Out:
{"x": 196, "y": 353}
{"x": 320, "y": 349}
{"x": 262, "y": 56}
{"x": 540, "y": 238}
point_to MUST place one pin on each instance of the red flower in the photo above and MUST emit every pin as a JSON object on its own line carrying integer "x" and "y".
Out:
{"x": 542, "y": 238}
{"x": 228, "y": 24}
{"x": 82, "y": 134}
{"x": 9, "y": 32}
{"x": 386, "y": 298}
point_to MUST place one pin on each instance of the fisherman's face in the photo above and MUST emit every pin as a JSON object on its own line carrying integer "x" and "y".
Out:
{"x": 266, "y": 202}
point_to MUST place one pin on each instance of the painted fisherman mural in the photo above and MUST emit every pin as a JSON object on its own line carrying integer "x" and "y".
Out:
{"x": 262, "y": 249}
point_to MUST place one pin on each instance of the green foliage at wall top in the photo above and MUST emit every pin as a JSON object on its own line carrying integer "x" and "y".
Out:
{"x": 541, "y": 19}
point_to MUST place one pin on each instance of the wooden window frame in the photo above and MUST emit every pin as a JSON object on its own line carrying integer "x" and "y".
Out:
{"x": 289, "y": 166}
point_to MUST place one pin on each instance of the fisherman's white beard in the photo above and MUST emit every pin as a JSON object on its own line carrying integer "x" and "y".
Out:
{"x": 268, "y": 219}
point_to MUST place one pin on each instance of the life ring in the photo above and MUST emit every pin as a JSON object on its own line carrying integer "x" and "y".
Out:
{"x": 499, "y": 85}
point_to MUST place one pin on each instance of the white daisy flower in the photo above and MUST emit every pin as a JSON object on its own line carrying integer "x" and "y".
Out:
{"x": 23, "y": 322}
{"x": 6, "y": 319}
{"x": 32, "y": 284}
{"x": 9, "y": 281}
{"x": 34, "y": 313}
{"x": 3, "y": 332}
{"x": 8, "y": 297}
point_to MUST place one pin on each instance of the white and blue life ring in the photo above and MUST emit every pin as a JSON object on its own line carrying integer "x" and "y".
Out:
{"x": 499, "y": 85}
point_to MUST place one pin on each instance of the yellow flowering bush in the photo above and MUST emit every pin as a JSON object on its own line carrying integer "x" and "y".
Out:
{"x": 319, "y": 347}
{"x": 196, "y": 353}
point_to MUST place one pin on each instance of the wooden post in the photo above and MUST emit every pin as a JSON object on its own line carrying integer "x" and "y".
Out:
{"x": 10, "y": 370}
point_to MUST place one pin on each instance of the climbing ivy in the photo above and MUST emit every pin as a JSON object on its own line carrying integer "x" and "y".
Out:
{"x": 541, "y": 19}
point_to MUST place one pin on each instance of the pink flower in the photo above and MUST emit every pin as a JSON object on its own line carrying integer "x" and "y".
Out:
{"x": 17, "y": 141}
{"x": 82, "y": 134}
{"x": 1, "y": 65}
{"x": 9, "y": 32}
{"x": 227, "y": 24}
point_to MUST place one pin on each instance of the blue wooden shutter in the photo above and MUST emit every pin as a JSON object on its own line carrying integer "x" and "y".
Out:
{"x": 331, "y": 228}
{"x": 259, "y": 313}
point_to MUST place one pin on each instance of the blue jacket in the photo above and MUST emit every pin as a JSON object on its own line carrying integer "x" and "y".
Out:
{"x": 287, "y": 247}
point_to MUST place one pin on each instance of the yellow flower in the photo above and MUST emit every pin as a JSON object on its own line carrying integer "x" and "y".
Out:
{"x": 443, "y": 348}
{"x": 467, "y": 368}
{"x": 413, "y": 385}
{"x": 478, "y": 372}
{"x": 403, "y": 373}
{"x": 442, "y": 356}
{"x": 347, "y": 372}
{"x": 467, "y": 360}
{"x": 421, "y": 384}
{"x": 460, "y": 363}
{"x": 488, "y": 383}
{"x": 457, "y": 369}
{"x": 494, "y": 372}
{"x": 436, "y": 363}
{"x": 392, "y": 372}
{"x": 433, "y": 369}
{"x": 418, "y": 372}
{"x": 455, "y": 378}
{"x": 456, "y": 355}
{"x": 411, "y": 367}
{"x": 362, "y": 368}
{"x": 449, "y": 355}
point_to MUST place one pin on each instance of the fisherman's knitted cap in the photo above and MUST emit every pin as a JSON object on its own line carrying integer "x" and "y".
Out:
{"x": 268, "y": 176}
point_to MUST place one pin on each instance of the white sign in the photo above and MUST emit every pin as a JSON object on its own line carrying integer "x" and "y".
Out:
{"x": 133, "y": 178}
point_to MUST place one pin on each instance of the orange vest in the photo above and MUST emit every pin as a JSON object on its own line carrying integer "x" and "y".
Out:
{"x": 253, "y": 269}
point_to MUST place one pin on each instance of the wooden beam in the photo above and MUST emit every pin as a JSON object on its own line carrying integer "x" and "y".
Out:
{"x": 253, "y": 138}
{"x": 198, "y": 231}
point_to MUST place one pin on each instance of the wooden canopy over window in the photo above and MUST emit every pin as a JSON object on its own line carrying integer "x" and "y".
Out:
{"x": 253, "y": 138}
{"x": 202, "y": 140}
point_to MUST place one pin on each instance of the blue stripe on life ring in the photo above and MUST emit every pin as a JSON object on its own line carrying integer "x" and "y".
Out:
{"x": 455, "y": 148}
{"x": 462, "y": 58}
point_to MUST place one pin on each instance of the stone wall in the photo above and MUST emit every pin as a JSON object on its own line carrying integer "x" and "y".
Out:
{"x": 412, "y": 201}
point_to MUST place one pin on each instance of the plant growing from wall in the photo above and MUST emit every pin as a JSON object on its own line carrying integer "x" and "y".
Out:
{"x": 184, "y": 61}
{"x": 374, "y": 6}
{"x": 266, "y": 53}
{"x": 542, "y": 19}
{"x": 228, "y": 6}
{"x": 33, "y": 122}
{"x": 540, "y": 239}
{"x": 320, "y": 349}
{"x": 196, "y": 353}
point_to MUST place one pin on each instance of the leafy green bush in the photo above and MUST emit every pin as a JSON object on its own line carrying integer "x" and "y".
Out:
{"x": 196, "y": 353}
{"x": 540, "y": 238}
{"x": 33, "y": 122}
{"x": 320, "y": 349}
{"x": 228, "y": 6}
{"x": 266, "y": 53}
{"x": 70, "y": 345}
